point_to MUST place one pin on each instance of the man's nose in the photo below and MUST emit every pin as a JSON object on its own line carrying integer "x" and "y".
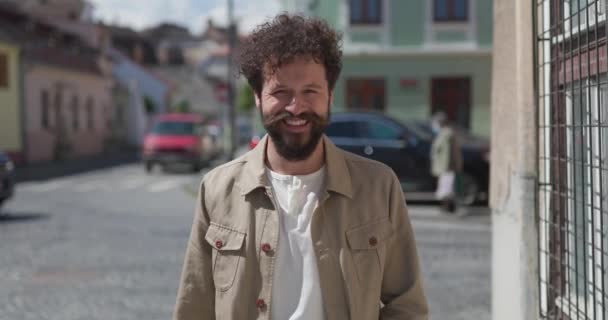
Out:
{"x": 296, "y": 106}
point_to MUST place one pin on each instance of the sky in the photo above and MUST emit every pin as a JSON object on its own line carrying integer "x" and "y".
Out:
{"x": 192, "y": 14}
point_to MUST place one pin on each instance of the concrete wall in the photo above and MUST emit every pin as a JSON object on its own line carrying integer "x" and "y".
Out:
{"x": 513, "y": 170}
{"x": 10, "y": 120}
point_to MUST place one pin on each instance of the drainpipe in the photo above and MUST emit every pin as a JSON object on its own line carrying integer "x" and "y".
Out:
{"x": 22, "y": 105}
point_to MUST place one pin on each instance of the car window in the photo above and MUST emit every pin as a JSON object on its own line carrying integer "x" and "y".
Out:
{"x": 342, "y": 129}
{"x": 382, "y": 131}
{"x": 174, "y": 128}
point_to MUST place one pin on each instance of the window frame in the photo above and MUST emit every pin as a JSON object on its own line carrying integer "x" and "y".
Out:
{"x": 451, "y": 12}
{"x": 374, "y": 87}
{"x": 365, "y": 19}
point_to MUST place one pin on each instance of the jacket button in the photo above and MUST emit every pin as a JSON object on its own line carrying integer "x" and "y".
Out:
{"x": 373, "y": 241}
{"x": 261, "y": 304}
{"x": 266, "y": 248}
{"x": 219, "y": 244}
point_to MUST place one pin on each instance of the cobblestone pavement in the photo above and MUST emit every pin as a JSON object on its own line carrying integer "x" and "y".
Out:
{"x": 109, "y": 244}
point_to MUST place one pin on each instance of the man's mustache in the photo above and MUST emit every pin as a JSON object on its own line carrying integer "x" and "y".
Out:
{"x": 284, "y": 115}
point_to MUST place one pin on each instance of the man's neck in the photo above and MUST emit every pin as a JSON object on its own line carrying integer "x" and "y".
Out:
{"x": 281, "y": 165}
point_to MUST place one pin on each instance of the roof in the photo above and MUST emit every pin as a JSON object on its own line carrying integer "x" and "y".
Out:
{"x": 44, "y": 43}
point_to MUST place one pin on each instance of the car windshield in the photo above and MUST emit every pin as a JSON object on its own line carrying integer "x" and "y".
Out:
{"x": 422, "y": 130}
{"x": 174, "y": 128}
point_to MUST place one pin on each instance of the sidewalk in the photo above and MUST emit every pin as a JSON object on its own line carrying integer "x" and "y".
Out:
{"x": 49, "y": 170}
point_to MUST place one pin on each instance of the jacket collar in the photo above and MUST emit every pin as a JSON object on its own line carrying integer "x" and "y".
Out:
{"x": 338, "y": 175}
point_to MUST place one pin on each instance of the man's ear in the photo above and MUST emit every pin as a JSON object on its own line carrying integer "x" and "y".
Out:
{"x": 257, "y": 100}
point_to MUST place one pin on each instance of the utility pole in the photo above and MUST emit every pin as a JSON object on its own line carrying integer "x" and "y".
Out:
{"x": 230, "y": 81}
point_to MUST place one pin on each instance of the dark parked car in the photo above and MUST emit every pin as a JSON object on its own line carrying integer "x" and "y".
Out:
{"x": 405, "y": 147}
{"x": 7, "y": 178}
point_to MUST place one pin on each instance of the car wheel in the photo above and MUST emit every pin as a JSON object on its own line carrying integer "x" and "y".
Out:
{"x": 467, "y": 189}
{"x": 149, "y": 166}
{"x": 196, "y": 167}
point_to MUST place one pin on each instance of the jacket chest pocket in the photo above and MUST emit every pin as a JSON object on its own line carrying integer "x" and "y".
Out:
{"x": 227, "y": 253}
{"x": 367, "y": 247}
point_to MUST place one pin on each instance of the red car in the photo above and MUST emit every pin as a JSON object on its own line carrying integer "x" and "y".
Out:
{"x": 177, "y": 138}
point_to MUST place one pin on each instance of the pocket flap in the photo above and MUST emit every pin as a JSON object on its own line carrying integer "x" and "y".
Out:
{"x": 369, "y": 236}
{"x": 222, "y": 238}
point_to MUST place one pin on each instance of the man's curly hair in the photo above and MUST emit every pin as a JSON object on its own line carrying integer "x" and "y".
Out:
{"x": 284, "y": 38}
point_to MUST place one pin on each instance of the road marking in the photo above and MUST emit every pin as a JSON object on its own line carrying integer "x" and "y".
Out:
{"x": 43, "y": 187}
{"x": 164, "y": 185}
{"x": 89, "y": 186}
{"x": 132, "y": 183}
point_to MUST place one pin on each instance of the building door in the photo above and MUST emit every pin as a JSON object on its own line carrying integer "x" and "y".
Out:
{"x": 366, "y": 93}
{"x": 452, "y": 96}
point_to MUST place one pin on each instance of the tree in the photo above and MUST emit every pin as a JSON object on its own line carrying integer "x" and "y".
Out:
{"x": 246, "y": 99}
{"x": 149, "y": 105}
{"x": 182, "y": 107}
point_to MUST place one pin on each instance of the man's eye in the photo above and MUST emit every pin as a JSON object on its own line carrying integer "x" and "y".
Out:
{"x": 310, "y": 91}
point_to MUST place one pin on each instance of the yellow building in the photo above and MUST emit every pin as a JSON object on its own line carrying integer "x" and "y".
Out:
{"x": 10, "y": 92}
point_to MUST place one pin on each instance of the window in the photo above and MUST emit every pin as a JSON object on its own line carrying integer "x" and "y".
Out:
{"x": 451, "y": 10}
{"x": 75, "y": 114}
{"x": 342, "y": 129}
{"x": 176, "y": 128}
{"x": 90, "y": 123}
{"x": 381, "y": 131}
{"x": 45, "y": 112}
{"x": 3, "y": 71}
{"x": 572, "y": 108}
{"x": 452, "y": 96}
{"x": 585, "y": 171}
{"x": 365, "y": 11}
{"x": 576, "y": 12}
{"x": 366, "y": 94}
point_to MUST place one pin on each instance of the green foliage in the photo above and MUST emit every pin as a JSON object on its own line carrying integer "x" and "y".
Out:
{"x": 246, "y": 99}
{"x": 149, "y": 105}
{"x": 182, "y": 107}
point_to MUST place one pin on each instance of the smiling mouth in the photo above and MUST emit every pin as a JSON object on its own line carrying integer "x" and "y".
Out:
{"x": 295, "y": 122}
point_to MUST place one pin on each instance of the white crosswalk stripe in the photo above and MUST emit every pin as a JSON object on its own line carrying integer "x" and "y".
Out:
{"x": 164, "y": 185}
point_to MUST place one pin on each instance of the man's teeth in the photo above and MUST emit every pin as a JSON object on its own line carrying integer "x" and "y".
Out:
{"x": 295, "y": 122}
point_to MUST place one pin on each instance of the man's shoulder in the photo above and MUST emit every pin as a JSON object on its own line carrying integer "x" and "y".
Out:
{"x": 225, "y": 172}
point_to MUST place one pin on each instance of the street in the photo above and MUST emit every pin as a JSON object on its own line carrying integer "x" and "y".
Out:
{"x": 109, "y": 244}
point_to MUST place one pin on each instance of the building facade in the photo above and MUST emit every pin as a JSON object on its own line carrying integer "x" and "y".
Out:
{"x": 65, "y": 105}
{"x": 550, "y": 160}
{"x": 413, "y": 58}
{"x": 10, "y": 99}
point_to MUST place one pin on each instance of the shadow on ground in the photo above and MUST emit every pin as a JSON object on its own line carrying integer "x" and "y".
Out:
{"x": 15, "y": 217}
{"x": 56, "y": 169}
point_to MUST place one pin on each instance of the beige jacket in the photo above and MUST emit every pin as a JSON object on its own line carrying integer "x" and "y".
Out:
{"x": 361, "y": 232}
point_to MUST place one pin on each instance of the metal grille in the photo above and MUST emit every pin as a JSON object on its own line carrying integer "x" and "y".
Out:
{"x": 571, "y": 84}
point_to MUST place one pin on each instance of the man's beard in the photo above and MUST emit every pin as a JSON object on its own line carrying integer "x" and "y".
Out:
{"x": 295, "y": 146}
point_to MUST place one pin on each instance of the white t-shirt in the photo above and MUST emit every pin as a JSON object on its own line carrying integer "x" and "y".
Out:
{"x": 296, "y": 293}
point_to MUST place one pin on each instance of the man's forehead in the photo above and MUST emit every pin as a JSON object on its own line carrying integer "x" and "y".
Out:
{"x": 277, "y": 75}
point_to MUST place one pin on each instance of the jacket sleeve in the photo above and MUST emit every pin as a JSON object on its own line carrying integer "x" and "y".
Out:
{"x": 402, "y": 293}
{"x": 196, "y": 293}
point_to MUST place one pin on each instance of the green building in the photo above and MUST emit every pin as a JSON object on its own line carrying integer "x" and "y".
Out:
{"x": 410, "y": 58}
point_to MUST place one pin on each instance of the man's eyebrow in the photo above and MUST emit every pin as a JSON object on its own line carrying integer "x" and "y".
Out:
{"x": 314, "y": 85}
{"x": 278, "y": 86}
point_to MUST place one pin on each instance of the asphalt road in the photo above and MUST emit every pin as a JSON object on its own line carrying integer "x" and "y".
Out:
{"x": 109, "y": 244}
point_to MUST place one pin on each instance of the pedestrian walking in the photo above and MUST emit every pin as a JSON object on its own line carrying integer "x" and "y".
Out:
{"x": 446, "y": 161}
